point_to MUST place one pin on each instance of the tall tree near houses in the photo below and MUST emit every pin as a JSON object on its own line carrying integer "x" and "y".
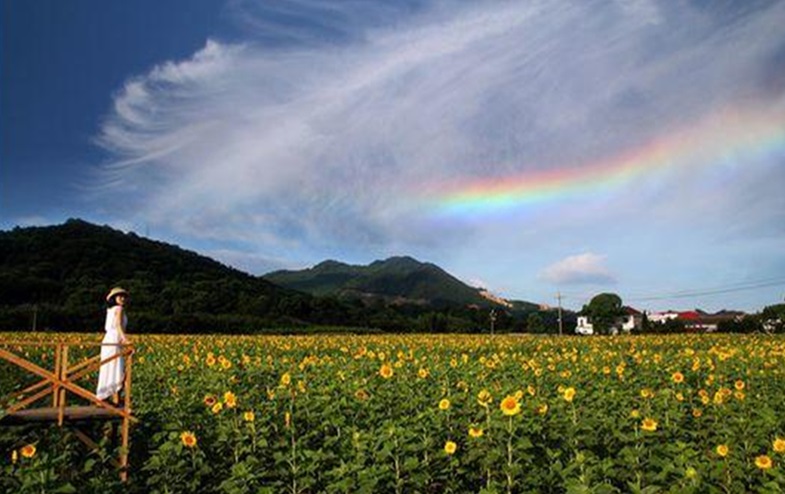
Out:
{"x": 603, "y": 310}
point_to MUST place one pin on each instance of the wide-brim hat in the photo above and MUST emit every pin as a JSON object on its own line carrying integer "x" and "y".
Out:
{"x": 116, "y": 291}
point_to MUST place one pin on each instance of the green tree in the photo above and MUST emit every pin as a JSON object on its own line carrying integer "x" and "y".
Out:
{"x": 535, "y": 324}
{"x": 603, "y": 310}
{"x": 773, "y": 318}
{"x": 645, "y": 323}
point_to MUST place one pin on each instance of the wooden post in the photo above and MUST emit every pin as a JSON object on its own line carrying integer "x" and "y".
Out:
{"x": 126, "y": 421}
{"x": 63, "y": 379}
{"x": 63, "y": 376}
{"x": 55, "y": 387}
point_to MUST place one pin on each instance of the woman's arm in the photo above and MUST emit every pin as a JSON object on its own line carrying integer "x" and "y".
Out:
{"x": 118, "y": 324}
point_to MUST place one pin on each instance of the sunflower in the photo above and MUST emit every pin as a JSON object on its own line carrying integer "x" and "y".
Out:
{"x": 739, "y": 385}
{"x": 510, "y": 406}
{"x": 249, "y": 416}
{"x": 209, "y": 400}
{"x": 475, "y": 432}
{"x": 484, "y": 398}
{"x": 450, "y": 447}
{"x": 28, "y": 450}
{"x": 677, "y": 377}
{"x": 422, "y": 373}
{"x": 542, "y": 409}
{"x": 569, "y": 394}
{"x": 444, "y": 404}
{"x": 217, "y": 407}
{"x": 386, "y": 371}
{"x": 188, "y": 439}
{"x": 722, "y": 450}
{"x": 763, "y": 462}
{"x": 649, "y": 424}
{"x": 361, "y": 395}
{"x": 230, "y": 399}
{"x": 286, "y": 379}
{"x": 778, "y": 445}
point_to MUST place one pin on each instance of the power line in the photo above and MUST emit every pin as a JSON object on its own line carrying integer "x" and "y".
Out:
{"x": 716, "y": 291}
{"x": 727, "y": 288}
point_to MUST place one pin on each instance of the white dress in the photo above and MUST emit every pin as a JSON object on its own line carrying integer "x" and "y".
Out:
{"x": 110, "y": 376}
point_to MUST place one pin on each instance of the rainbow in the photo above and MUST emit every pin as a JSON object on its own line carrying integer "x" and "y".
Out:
{"x": 731, "y": 137}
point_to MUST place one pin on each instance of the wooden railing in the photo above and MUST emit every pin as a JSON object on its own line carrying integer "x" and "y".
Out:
{"x": 62, "y": 380}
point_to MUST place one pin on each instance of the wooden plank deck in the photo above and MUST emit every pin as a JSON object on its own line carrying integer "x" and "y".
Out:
{"x": 49, "y": 414}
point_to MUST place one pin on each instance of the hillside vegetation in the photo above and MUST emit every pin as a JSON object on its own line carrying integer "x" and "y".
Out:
{"x": 55, "y": 277}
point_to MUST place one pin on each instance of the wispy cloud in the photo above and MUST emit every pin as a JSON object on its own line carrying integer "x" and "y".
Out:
{"x": 322, "y": 130}
{"x": 587, "y": 268}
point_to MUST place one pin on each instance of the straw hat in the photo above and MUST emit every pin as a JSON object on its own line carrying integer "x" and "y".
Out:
{"x": 116, "y": 291}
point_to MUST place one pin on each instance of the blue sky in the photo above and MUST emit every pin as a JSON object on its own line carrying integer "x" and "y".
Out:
{"x": 275, "y": 135}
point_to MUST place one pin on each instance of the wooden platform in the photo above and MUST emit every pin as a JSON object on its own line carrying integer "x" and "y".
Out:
{"x": 61, "y": 384}
{"x": 50, "y": 414}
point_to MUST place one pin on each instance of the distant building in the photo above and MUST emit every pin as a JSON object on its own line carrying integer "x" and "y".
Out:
{"x": 696, "y": 320}
{"x": 661, "y": 317}
{"x": 624, "y": 324}
{"x": 699, "y": 321}
{"x": 584, "y": 326}
{"x": 693, "y": 320}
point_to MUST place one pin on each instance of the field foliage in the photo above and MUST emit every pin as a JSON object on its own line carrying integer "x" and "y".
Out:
{"x": 430, "y": 414}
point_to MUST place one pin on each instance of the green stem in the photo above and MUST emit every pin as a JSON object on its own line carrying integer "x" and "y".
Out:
{"x": 294, "y": 447}
{"x": 397, "y": 468}
{"x": 509, "y": 456}
{"x": 488, "y": 428}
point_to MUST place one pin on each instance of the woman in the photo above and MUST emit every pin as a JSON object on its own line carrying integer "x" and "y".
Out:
{"x": 110, "y": 376}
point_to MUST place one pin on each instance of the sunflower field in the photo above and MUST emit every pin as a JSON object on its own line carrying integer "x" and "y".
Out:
{"x": 427, "y": 414}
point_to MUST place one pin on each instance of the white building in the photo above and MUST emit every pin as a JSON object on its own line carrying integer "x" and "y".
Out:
{"x": 624, "y": 324}
{"x": 584, "y": 326}
{"x": 661, "y": 317}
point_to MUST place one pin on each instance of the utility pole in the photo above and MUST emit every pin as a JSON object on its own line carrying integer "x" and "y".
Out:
{"x": 558, "y": 297}
{"x": 493, "y": 319}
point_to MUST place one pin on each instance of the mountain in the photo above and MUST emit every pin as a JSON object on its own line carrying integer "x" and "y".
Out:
{"x": 63, "y": 272}
{"x": 56, "y": 277}
{"x": 397, "y": 280}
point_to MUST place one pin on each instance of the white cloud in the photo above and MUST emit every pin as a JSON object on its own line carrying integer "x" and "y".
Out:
{"x": 586, "y": 268}
{"x": 304, "y": 146}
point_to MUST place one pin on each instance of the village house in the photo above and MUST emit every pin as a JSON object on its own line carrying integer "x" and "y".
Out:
{"x": 693, "y": 320}
{"x": 624, "y": 324}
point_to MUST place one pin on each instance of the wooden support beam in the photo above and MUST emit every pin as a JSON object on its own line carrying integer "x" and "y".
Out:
{"x": 88, "y": 441}
{"x": 63, "y": 378}
{"x": 28, "y": 401}
{"x": 59, "y": 383}
{"x": 126, "y": 422}
{"x": 55, "y": 394}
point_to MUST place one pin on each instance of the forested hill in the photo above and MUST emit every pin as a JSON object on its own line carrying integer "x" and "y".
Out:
{"x": 394, "y": 280}
{"x": 63, "y": 272}
{"x": 56, "y": 277}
